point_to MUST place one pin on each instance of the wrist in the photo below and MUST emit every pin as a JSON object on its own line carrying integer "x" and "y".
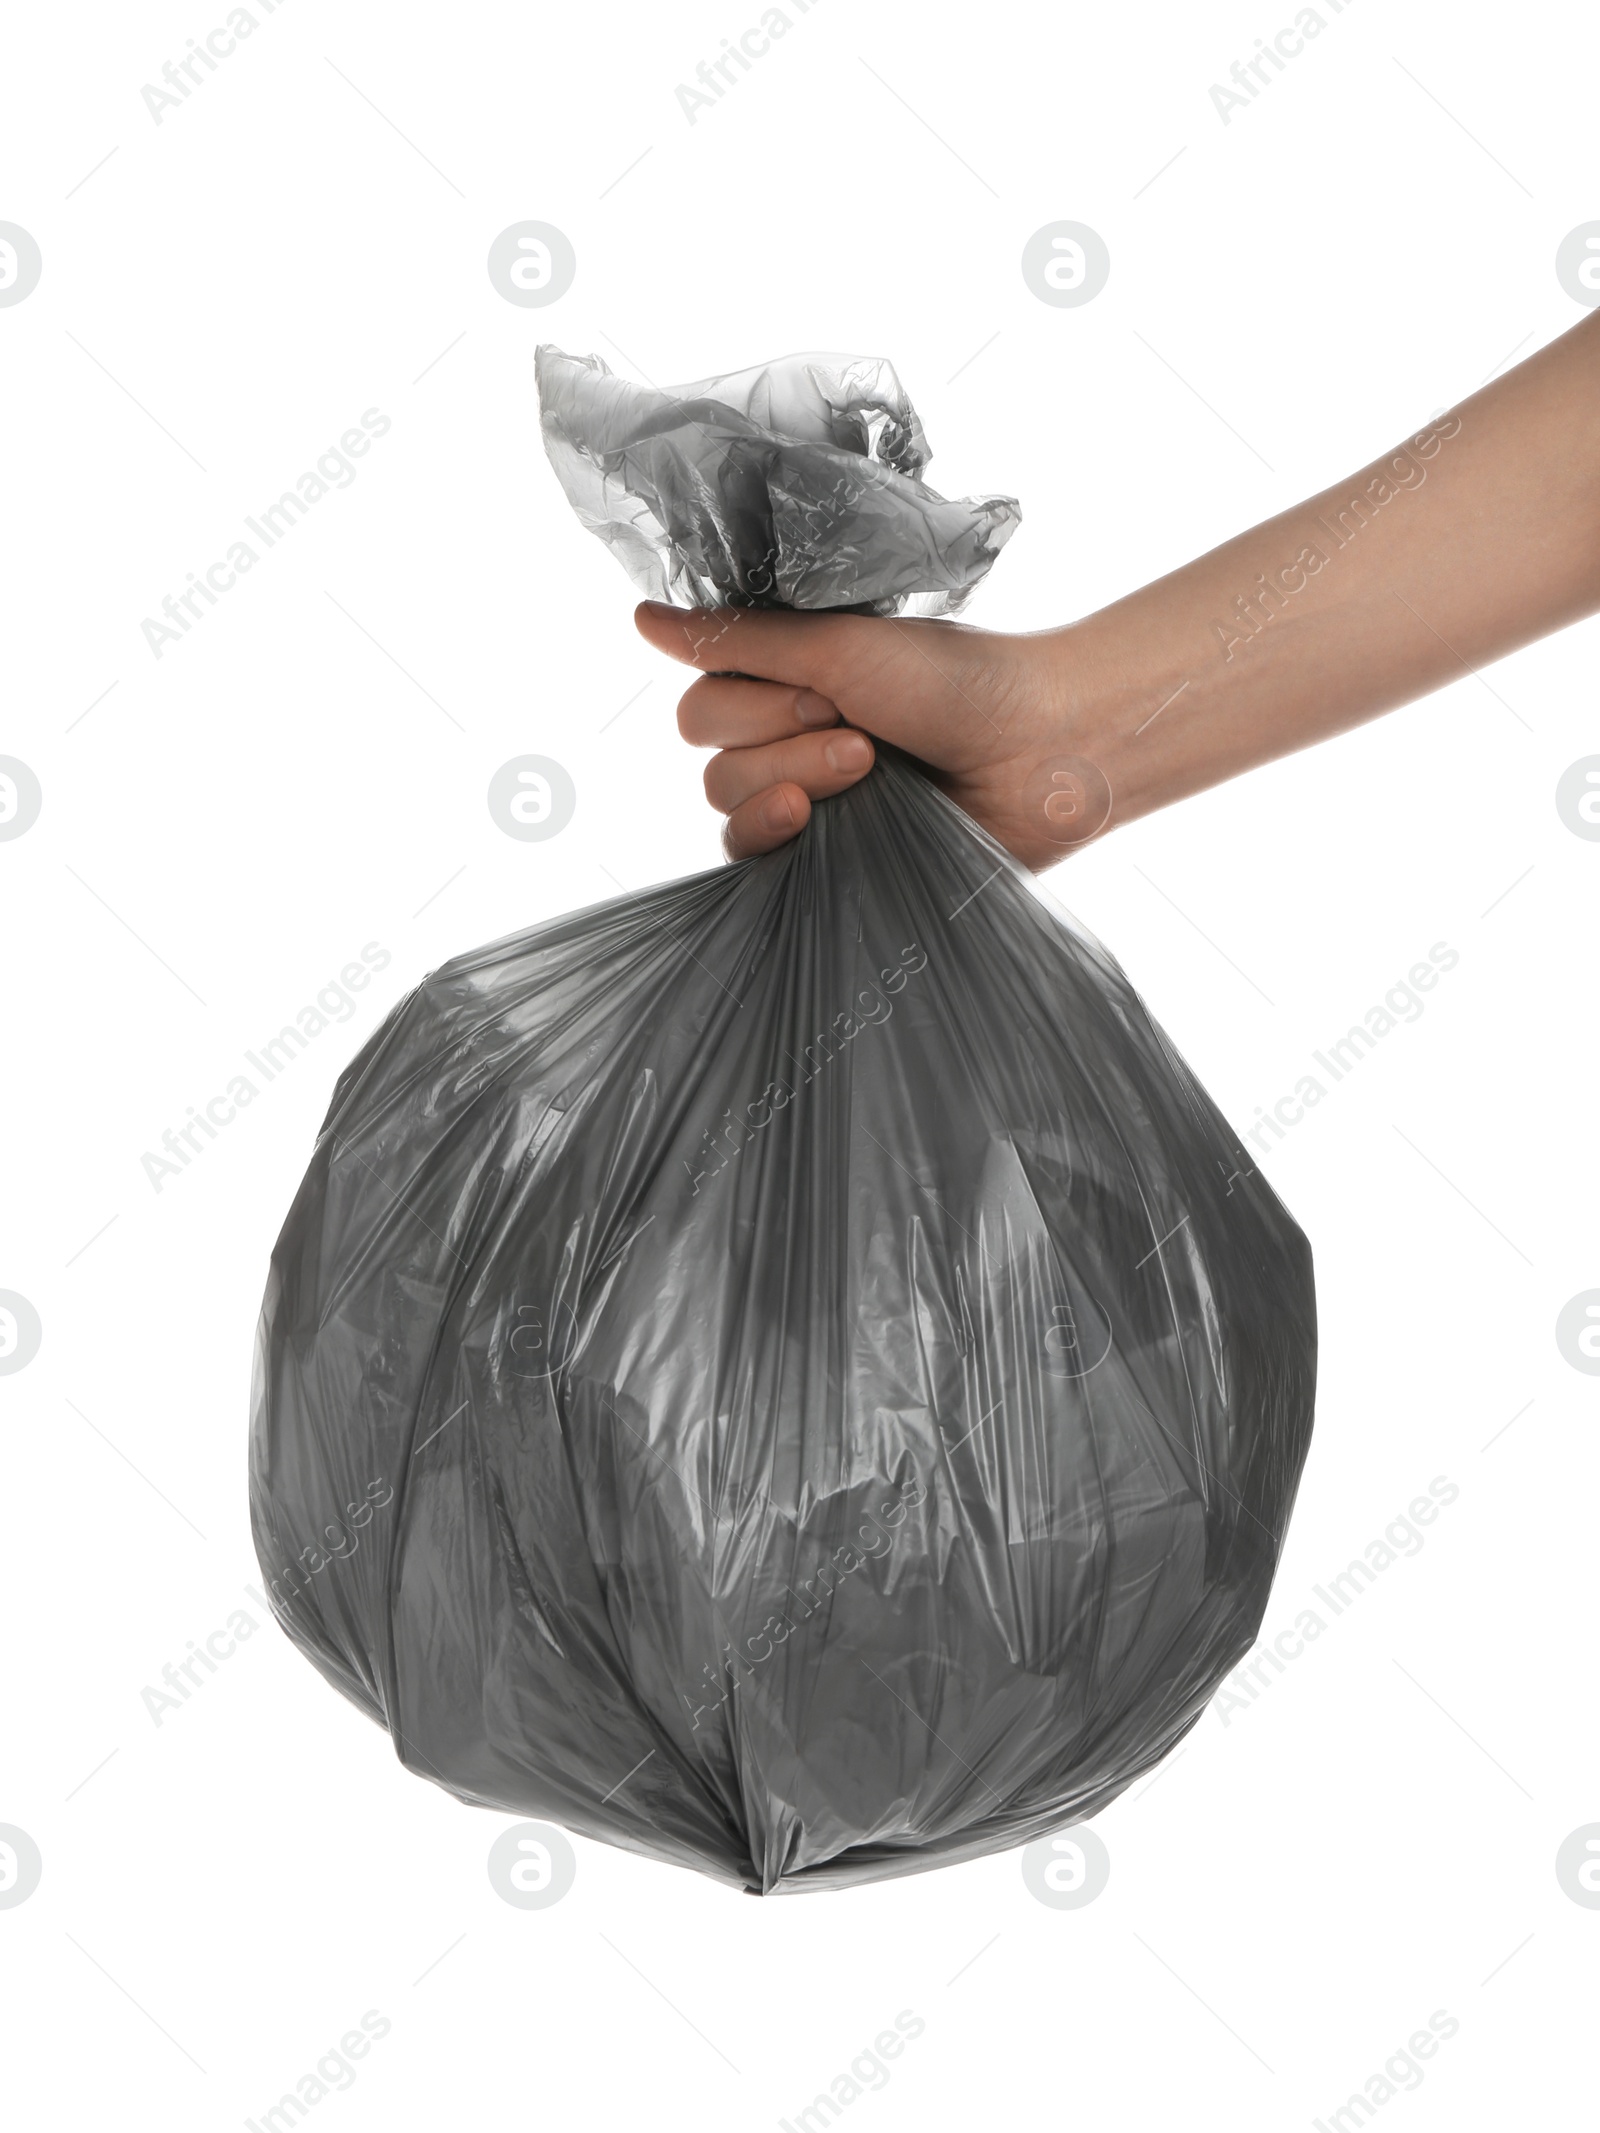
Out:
{"x": 1122, "y": 688}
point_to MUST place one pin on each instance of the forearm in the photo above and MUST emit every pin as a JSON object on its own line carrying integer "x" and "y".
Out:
{"x": 1476, "y": 536}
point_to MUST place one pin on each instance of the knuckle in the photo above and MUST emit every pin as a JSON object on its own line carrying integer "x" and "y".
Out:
{"x": 696, "y": 709}
{"x": 714, "y": 779}
{"x": 778, "y": 764}
{"x": 712, "y": 631}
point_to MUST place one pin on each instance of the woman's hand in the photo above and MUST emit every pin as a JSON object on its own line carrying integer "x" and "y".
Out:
{"x": 790, "y": 700}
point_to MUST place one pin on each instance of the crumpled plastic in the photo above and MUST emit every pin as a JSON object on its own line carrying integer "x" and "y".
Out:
{"x": 787, "y": 1372}
{"x": 796, "y": 484}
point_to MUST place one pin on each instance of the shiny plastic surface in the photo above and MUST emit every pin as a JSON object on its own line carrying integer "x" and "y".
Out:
{"x": 798, "y": 484}
{"x": 786, "y": 1372}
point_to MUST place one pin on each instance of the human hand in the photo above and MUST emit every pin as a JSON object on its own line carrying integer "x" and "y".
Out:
{"x": 1479, "y": 535}
{"x": 790, "y": 700}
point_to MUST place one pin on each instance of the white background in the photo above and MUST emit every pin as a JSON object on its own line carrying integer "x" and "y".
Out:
{"x": 1374, "y": 1838}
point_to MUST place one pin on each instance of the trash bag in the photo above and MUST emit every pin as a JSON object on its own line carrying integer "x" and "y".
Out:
{"x": 786, "y": 1372}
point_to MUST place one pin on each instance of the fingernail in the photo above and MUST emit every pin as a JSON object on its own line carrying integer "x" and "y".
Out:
{"x": 814, "y": 710}
{"x": 849, "y": 752}
{"x": 775, "y": 813}
{"x": 658, "y": 607}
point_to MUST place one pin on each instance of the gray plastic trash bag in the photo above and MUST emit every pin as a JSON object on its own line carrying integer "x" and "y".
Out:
{"x": 787, "y": 1372}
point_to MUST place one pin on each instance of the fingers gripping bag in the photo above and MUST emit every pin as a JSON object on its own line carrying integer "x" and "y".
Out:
{"x": 787, "y": 1372}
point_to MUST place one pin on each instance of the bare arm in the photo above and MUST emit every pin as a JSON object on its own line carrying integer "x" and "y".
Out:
{"x": 1477, "y": 535}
